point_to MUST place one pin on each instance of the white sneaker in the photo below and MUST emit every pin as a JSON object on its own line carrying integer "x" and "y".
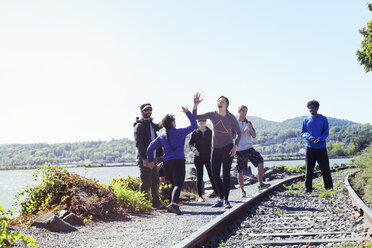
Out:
{"x": 201, "y": 199}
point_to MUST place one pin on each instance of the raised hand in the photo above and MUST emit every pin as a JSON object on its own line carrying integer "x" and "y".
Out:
{"x": 185, "y": 109}
{"x": 197, "y": 99}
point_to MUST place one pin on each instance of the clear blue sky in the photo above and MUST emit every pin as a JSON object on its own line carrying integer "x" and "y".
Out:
{"x": 79, "y": 70}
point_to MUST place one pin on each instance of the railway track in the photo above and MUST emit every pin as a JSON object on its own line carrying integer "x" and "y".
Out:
{"x": 285, "y": 217}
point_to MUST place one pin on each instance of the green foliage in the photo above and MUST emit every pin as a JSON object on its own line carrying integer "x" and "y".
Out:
{"x": 293, "y": 169}
{"x": 295, "y": 188}
{"x": 222, "y": 245}
{"x": 60, "y": 189}
{"x": 129, "y": 182}
{"x": 353, "y": 244}
{"x": 326, "y": 193}
{"x": 364, "y": 55}
{"x": 95, "y": 152}
{"x": 165, "y": 193}
{"x": 362, "y": 182}
{"x": 7, "y": 237}
{"x": 133, "y": 200}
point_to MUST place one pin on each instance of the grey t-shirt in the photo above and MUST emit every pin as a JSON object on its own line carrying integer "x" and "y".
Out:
{"x": 223, "y": 127}
{"x": 246, "y": 138}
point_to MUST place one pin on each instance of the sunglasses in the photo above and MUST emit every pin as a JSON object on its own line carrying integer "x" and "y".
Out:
{"x": 202, "y": 120}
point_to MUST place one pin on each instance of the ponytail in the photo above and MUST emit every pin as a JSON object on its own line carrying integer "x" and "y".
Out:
{"x": 166, "y": 122}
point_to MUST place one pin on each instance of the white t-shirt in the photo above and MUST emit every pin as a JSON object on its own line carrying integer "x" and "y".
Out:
{"x": 246, "y": 138}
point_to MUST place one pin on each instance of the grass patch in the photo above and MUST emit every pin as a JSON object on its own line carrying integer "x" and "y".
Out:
{"x": 362, "y": 182}
{"x": 293, "y": 169}
{"x": 363, "y": 244}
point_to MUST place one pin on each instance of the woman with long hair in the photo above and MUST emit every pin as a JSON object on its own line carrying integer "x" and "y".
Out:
{"x": 173, "y": 143}
{"x": 224, "y": 149}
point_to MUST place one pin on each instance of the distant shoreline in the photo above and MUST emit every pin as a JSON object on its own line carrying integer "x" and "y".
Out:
{"x": 106, "y": 165}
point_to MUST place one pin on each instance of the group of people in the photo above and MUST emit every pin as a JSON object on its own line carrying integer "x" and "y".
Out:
{"x": 231, "y": 137}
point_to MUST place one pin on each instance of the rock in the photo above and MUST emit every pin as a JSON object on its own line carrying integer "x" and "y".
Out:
{"x": 63, "y": 213}
{"x": 191, "y": 174}
{"x": 190, "y": 185}
{"x": 53, "y": 223}
{"x": 250, "y": 180}
{"x": 273, "y": 171}
{"x": 70, "y": 218}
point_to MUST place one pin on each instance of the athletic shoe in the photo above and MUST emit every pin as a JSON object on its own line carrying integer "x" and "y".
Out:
{"x": 227, "y": 204}
{"x": 173, "y": 208}
{"x": 263, "y": 186}
{"x": 306, "y": 191}
{"x": 201, "y": 199}
{"x": 244, "y": 194}
{"x": 218, "y": 204}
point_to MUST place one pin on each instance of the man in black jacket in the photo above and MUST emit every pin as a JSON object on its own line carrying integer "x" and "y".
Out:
{"x": 145, "y": 132}
{"x": 200, "y": 143}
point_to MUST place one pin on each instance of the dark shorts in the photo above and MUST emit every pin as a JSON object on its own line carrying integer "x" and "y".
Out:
{"x": 244, "y": 156}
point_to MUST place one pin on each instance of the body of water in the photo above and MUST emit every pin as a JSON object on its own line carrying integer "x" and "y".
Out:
{"x": 12, "y": 181}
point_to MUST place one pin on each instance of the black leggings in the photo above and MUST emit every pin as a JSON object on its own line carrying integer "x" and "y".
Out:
{"x": 175, "y": 172}
{"x": 222, "y": 155}
{"x": 320, "y": 155}
{"x": 199, "y": 162}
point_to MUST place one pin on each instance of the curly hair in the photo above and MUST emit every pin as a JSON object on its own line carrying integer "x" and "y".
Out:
{"x": 313, "y": 103}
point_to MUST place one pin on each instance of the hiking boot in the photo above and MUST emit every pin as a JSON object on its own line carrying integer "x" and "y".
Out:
{"x": 173, "y": 208}
{"x": 218, "y": 204}
{"x": 227, "y": 204}
{"x": 243, "y": 194}
{"x": 263, "y": 186}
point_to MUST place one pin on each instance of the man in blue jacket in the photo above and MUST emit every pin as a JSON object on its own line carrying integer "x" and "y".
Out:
{"x": 315, "y": 130}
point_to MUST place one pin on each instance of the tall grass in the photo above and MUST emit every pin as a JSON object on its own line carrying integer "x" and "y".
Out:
{"x": 362, "y": 182}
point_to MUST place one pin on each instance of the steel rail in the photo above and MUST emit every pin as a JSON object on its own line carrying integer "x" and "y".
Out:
{"x": 214, "y": 227}
{"x": 364, "y": 210}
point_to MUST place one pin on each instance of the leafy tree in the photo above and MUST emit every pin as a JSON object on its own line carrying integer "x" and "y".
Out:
{"x": 365, "y": 54}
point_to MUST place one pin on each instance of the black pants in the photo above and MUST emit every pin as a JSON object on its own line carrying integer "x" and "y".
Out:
{"x": 150, "y": 181}
{"x": 199, "y": 162}
{"x": 222, "y": 155}
{"x": 175, "y": 172}
{"x": 320, "y": 155}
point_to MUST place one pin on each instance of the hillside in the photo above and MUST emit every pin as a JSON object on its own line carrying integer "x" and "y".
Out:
{"x": 265, "y": 125}
{"x": 274, "y": 139}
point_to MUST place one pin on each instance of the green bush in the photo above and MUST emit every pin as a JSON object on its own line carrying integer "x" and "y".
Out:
{"x": 362, "y": 182}
{"x": 130, "y": 199}
{"x": 129, "y": 182}
{"x": 60, "y": 189}
{"x": 134, "y": 185}
{"x": 7, "y": 237}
